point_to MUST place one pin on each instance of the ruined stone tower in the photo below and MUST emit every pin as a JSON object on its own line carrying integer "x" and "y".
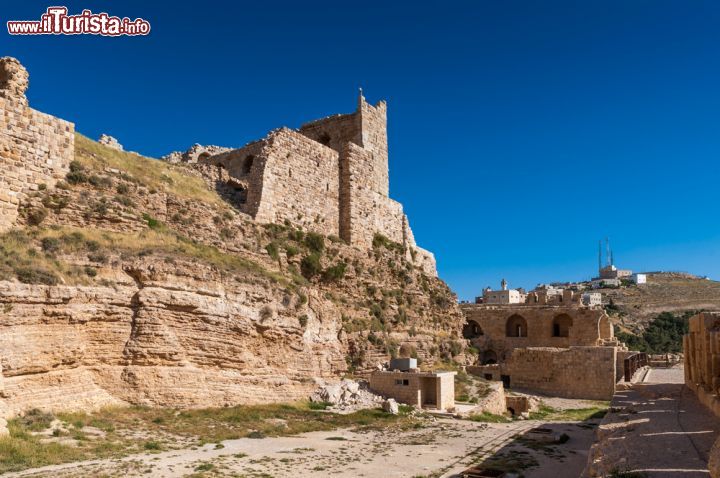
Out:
{"x": 35, "y": 148}
{"x": 329, "y": 176}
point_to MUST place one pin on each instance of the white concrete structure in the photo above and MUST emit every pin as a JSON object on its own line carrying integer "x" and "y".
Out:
{"x": 599, "y": 283}
{"x": 592, "y": 298}
{"x": 503, "y": 296}
{"x": 639, "y": 278}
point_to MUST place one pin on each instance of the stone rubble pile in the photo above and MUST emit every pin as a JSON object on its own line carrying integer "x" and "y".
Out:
{"x": 347, "y": 396}
{"x": 110, "y": 142}
{"x": 194, "y": 153}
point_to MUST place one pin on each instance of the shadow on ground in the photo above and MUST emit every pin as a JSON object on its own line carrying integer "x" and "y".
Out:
{"x": 547, "y": 449}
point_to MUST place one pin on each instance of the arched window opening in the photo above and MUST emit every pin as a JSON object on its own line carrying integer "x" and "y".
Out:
{"x": 516, "y": 326}
{"x": 472, "y": 330}
{"x": 324, "y": 139}
{"x": 247, "y": 165}
{"x": 489, "y": 357}
{"x": 561, "y": 325}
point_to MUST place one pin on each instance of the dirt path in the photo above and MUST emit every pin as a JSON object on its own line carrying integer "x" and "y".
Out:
{"x": 657, "y": 427}
{"x": 439, "y": 448}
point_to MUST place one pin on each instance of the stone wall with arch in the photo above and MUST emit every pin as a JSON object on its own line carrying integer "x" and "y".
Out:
{"x": 540, "y": 326}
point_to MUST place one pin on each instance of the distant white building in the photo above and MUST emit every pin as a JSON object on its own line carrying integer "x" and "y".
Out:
{"x": 600, "y": 283}
{"x": 592, "y": 298}
{"x": 639, "y": 278}
{"x": 612, "y": 272}
{"x": 503, "y": 296}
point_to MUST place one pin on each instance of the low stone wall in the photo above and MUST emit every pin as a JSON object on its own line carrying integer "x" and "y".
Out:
{"x": 575, "y": 372}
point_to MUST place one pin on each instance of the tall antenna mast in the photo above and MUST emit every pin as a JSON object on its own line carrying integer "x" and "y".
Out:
{"x": 608, "y": 254}
{"x": 599, "y": 255}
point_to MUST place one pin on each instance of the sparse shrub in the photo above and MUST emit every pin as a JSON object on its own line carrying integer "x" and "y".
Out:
{"x": 266, "y": 312}
{"x": 99, "y": 257}
{"x": 124, "y": 200}
{"x": 36, "y": 275}
{"x": 455, "y": 348}
{"x": 310, "y": 265}
{"x": 42, "y": 187}
{"x": 318, "y": 405}
{"x": 226, "y": 233}
{"x": 122, "y": 188}
{"x": 315, "y": 242}
{"x": 272, "y": 250}
{"x": 36, "y": 420}
{"x": 296, "y": 235}
{"x": 100, "y": 208}
{"x": 51, "y": 245}
{"x": 55, "y": 202}
{"x": 379, "y": 240}
{"x": 303, "y": 319}
{"x": 77, "y": 174}
{"x": 151, "y": 445}
{"x": 256, "y": 434}
{"x": 90, "y": 271}
{"x": 335, "y": 273}
{"x": 100, "y": 182}
{"x": 152, "y": 222}
{"x": 36, "y": 216}
{"x": 291, "y": 251}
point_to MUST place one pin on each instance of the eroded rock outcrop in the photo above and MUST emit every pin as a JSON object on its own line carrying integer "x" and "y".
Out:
{"x": 175, "y": 335}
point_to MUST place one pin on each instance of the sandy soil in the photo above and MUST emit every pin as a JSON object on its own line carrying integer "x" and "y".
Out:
{"x": 440, "y": 447}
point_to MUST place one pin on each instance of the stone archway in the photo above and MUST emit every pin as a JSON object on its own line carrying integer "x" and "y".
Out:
{"x": 516, "y": 326}
{"x": 561, "y": 325}
{"x": 489, "y": 357}
{"x": 472, "y": 330}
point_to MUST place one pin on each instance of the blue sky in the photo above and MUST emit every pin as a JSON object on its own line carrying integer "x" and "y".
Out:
{"x": 521, "y": 132}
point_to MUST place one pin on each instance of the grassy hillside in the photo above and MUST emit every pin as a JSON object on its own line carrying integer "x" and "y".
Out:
{"x": 633, "y": 307}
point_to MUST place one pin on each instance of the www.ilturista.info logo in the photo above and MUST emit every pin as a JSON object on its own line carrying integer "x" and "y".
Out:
{"x": 56, "y": 21}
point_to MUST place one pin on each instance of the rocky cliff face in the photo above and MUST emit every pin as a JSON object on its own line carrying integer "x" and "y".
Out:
{"x": 136, "y": 282}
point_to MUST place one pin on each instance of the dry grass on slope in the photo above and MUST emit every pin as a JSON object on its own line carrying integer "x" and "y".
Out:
{"x": 153, "y": 173}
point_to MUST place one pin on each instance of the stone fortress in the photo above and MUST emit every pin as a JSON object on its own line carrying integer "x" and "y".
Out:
{"x": 329, "y": 176}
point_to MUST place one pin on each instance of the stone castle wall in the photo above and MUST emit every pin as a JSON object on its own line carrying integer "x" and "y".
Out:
{"x": 300, "y": 183}
{"x": 35, "y": 148}
{"x": 701, "y": 346}
{"x": 330, "y": 176}
{"x": 573, "y": 372}
{"x": 589, "y": 327}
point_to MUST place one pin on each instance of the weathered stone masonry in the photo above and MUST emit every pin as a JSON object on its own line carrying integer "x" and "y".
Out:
{"x": 35, "y": 148}
{"x": 330, "y": 176}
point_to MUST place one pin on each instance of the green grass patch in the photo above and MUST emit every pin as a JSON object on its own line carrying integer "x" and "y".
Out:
{"x": 486, "y": 417}
{"x": 569, "y": 415}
